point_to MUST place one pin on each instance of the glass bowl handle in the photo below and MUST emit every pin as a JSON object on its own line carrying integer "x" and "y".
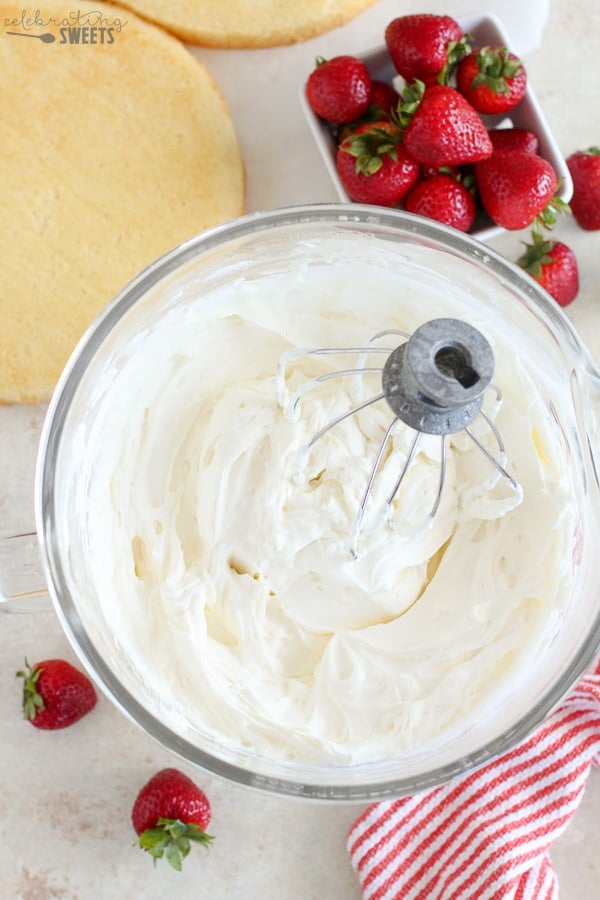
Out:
{"x": 22, "y": 582}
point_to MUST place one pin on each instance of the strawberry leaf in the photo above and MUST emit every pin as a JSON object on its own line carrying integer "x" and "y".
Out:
{"x": 369, "y": 148}
{"x": 172, "y": 839}
{"x": 496, "y": 69}
{"x": 33, "y": 702}
{"x": 536, "y": 254}
{"x": 410, "y": 98}
{"x": 455, "y": 51}
{"x": 470, "y": 182}
{"x": 154, "y": 840}
{"x": 547, "y": 218}
{"x": 174, "y": 857}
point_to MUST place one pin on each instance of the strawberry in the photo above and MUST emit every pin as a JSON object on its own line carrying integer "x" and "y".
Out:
{"x": 430, "y": 171}
{"x": 554, "y": 266}
{"x": 584, "y": 167}
{"x": 492, "y": 79}
{"x": 374, "y": 167}
{"x": 169, "y": 812}
{"x": 442, "y": 198}
{"x": 514, "y": 139}
{"x": 425, "y": 47}
{"x": 383, "y": 102}
{"x": 338, "y": 89}
{"x": 516, "y": 187}
{"x": 55, "y": 694}
{"x": 444, "y": 129}
{"x": 383, "y": 96}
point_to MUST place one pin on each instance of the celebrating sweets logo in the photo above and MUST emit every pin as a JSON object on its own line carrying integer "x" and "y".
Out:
{"x": 75, "y": 27}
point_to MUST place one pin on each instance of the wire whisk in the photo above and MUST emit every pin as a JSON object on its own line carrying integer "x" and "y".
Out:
{"x": 434, "y": 381}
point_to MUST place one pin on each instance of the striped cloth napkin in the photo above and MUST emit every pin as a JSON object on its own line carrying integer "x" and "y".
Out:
{"x": 486, "y": 835}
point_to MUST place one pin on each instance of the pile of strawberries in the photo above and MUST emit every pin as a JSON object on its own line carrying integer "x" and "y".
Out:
{"x": 427, "y": 148}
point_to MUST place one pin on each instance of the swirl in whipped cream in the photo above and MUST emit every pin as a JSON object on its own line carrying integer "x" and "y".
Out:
{"x": 227, "y": 578}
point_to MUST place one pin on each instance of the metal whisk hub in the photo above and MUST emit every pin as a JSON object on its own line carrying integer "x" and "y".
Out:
{"x": 436, "y": 381}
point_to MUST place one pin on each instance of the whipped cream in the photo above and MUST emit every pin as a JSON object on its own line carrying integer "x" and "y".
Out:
{"x": 220, "y": 554}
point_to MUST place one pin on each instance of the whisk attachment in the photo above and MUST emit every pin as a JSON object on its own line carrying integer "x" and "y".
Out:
{"x": 434, "y": 382}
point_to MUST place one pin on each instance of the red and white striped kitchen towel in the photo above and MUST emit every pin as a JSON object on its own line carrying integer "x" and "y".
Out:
{"x": 486, "y": 835}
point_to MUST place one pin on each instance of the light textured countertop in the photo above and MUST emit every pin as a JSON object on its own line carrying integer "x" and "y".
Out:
{"x": 66, "y": 796}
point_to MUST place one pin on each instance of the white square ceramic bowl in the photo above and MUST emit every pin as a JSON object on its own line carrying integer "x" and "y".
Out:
{"x": 484, "y": 29}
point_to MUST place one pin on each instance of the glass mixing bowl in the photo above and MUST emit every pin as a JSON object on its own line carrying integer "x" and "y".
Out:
{"x": 246, "y": 249}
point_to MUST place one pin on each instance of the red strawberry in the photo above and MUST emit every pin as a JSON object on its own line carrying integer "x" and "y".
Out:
{"x": 383, "y": 102}
{"x": 554, "y": 266}
{"x": 514, "y": 139}
{"x": 492, "y": 79}
{"x": 425, "y": 46}
{"x": 442, "y": 198}
{"x": 584, "y": 167}
{"x": 515, "y": 187}
{"x": 431, "y": 171}
{"x": 55, "y": 694}
{"x": 374, "y": 167}
{"x": 168, "y": 813}
{"x": 338, "y": 89}
{"x": 383, "y": 96}
{"x": 445, "y": 130}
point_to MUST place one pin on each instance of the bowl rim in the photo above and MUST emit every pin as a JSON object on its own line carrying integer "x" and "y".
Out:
{"x": 317, "y": 788}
